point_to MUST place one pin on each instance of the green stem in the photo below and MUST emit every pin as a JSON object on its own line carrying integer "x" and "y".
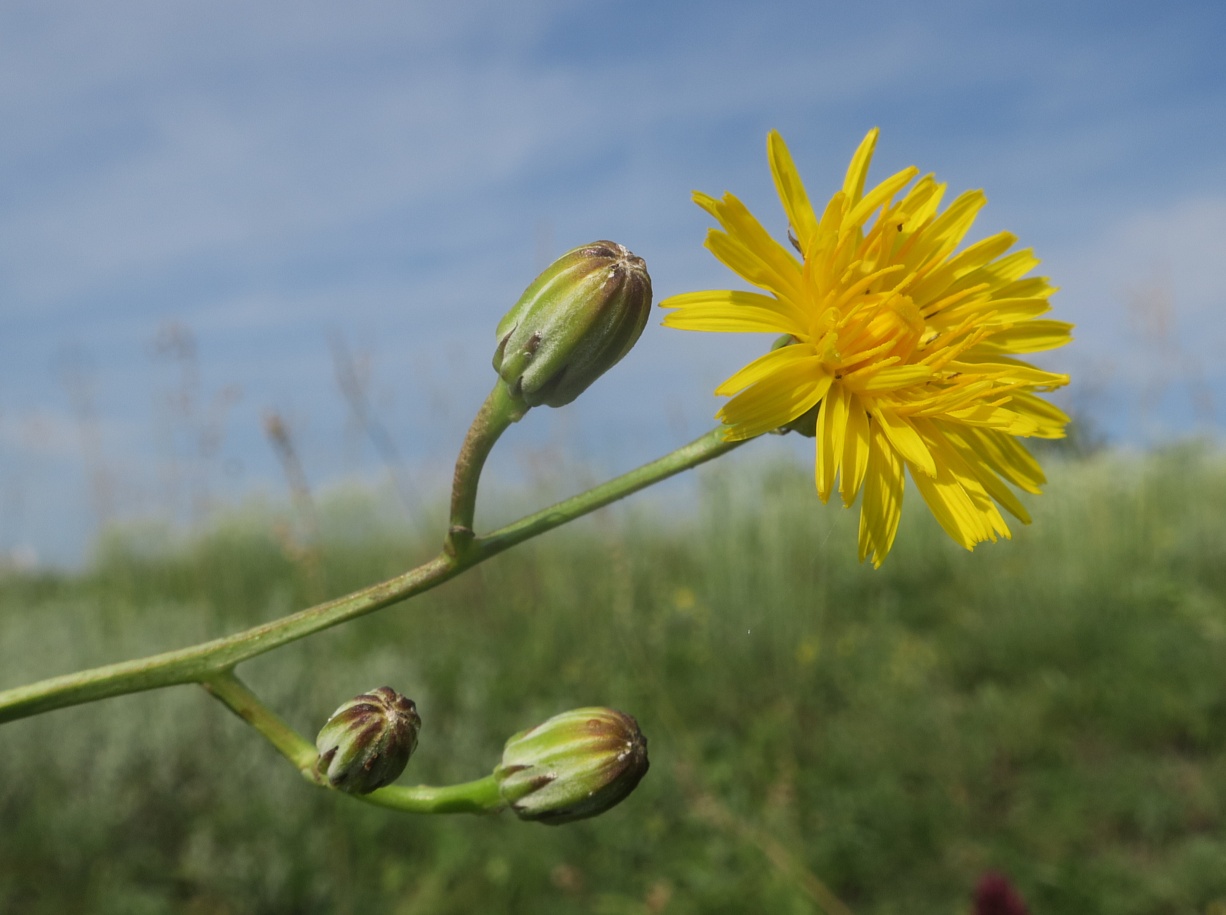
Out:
{"x": 199, "y": 662}
{"x": 480, "y": 796}
{"x": 702, "y": 449}
{"x": 226, "y": 687}
{"x": 496, "y": 415}
{"x": 202, "y": 662}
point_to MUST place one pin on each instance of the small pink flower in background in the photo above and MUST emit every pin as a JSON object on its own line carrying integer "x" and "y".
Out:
{"x": 995, "y": 895}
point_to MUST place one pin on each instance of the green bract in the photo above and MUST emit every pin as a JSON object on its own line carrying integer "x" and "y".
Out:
{"x": 573, "y": 323}
{"x": 368, "y": 741}
{"x": 574, "y": 766}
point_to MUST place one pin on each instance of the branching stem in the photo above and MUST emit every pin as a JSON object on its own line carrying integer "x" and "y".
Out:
{"x": 211, "y": 662}
{"x": 239, "y": 699}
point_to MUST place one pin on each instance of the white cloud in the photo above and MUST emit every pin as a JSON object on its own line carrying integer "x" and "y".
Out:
{"x": 266, "y": 174}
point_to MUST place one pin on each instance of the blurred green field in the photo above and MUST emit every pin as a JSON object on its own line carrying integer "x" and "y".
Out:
{"x": 1054, "y": 707}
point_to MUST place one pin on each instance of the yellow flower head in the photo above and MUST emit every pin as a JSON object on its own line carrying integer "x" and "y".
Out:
{"x": 899, "y": 351}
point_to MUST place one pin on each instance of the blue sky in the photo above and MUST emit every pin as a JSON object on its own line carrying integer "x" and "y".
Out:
{"x": 197, "y": 201}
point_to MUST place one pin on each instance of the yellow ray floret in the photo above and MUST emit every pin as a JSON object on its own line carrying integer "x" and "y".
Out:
{"x": 899, "y": 350}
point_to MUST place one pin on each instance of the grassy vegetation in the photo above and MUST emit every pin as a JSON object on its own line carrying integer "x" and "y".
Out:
{"x": 1054, "y": 707}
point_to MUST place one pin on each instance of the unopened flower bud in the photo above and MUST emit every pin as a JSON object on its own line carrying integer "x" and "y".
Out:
{"x": 368, "y": 741}
{"x": 573, "y": 323}
{"x": 574, "y": 766}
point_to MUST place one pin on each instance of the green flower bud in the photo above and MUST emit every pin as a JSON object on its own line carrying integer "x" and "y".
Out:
{"x": 368, "y": 741}
{"x": 573, "y": 323}
{"x": 574, "y": 766}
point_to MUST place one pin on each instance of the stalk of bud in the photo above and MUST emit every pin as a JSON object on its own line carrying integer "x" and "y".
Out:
{"x": 367, "y": 742}
{"x": 573, "y": 324}
{"x": 576, "y": 765}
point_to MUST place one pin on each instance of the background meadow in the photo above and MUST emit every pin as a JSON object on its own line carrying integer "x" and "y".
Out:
{"x": 1054, "y": 707}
